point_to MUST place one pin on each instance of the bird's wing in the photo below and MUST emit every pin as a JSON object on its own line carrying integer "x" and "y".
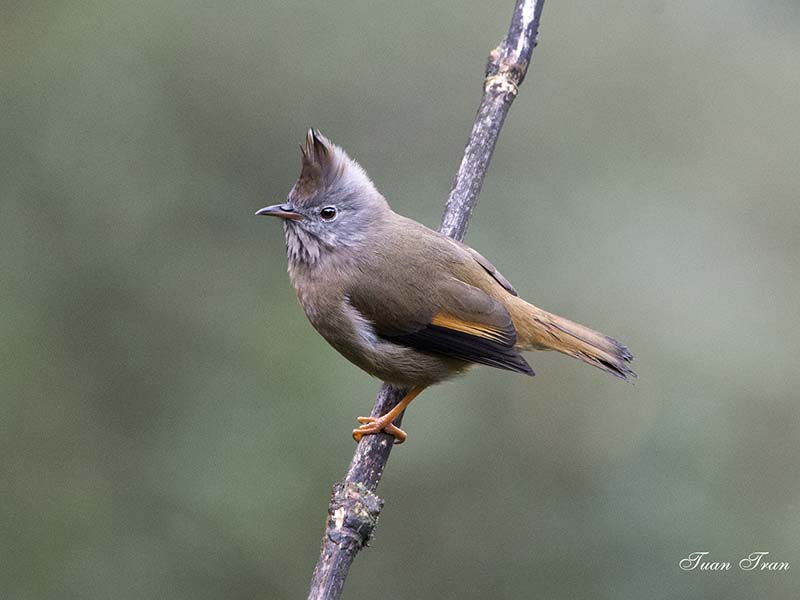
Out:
{"x": 487, "y": 266}
{"x": 440, "y": 314}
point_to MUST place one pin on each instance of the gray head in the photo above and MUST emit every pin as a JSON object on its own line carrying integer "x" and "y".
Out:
{"x": 332, "y": 205}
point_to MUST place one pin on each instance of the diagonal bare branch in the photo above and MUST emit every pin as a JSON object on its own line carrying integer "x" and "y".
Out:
{"x": 354, "y": 506}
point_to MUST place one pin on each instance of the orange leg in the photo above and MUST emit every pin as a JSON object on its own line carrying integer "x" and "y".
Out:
{"x": 377, "y": 424}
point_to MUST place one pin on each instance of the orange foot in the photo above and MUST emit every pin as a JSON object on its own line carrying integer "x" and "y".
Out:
{"x": 377, "y": 425}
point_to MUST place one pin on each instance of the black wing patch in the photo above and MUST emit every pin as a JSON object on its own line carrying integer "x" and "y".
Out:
{"x": 463, "y": 346}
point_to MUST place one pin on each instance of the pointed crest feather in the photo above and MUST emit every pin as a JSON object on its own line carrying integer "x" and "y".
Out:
{"x": 320, "y": 163}
{"x": 324, "y": 165}
{"x": 317, "y": 148}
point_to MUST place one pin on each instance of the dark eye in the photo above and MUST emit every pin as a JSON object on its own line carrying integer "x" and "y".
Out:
{"x": 328, "y": 213}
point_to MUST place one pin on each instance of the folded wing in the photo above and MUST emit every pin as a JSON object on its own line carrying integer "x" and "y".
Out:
{"x": 451, "y": 319}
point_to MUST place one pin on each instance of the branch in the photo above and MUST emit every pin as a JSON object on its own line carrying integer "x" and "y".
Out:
{"x": 354, "y": 506}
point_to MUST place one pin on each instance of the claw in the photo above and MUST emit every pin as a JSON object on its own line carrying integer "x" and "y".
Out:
{"x": 372, "y": 425}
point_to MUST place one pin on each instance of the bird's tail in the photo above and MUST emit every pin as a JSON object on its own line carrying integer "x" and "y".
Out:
{"x": 540, "y": 330}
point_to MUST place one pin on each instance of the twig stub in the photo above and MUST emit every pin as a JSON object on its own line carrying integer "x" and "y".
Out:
{"x": 352, "y": 513}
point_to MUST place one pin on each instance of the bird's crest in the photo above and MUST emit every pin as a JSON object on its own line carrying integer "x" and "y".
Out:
{"x": 328, "y": 174}
{"x": 323, "y": 164}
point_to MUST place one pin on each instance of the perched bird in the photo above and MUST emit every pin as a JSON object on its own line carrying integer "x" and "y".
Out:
{"x": 407, "y": 304}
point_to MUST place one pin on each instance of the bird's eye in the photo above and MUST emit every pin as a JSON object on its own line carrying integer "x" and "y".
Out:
{"x": 328, "y": 213}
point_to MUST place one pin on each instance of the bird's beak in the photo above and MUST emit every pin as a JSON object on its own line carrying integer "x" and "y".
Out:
{"x": 283, "y": 211}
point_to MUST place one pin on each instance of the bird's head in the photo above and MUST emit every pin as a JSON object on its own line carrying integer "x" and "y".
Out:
{"x": 333, "y": 205}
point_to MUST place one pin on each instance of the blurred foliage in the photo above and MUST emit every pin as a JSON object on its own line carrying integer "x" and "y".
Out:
{"x": 170, "y": 425}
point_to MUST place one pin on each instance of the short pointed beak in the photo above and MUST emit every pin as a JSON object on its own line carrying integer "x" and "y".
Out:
{"x": 283, "y": 211}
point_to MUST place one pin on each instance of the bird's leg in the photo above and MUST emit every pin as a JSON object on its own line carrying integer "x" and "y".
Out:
{"x": 377, "y": 424}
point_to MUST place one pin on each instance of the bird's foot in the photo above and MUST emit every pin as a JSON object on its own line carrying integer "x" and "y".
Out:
{"x": 371, "y": 425}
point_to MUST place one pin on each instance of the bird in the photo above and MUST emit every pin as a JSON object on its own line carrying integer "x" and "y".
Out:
{"x": 403, "y": 302}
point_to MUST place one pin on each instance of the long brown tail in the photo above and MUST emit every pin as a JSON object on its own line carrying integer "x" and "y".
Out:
{"x": 540, "y": 330}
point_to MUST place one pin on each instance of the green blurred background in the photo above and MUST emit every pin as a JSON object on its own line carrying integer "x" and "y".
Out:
{"x": 170, "y": 425}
